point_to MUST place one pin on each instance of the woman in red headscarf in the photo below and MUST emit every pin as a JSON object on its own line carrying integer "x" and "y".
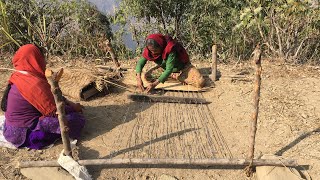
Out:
{"x": 30, "y": 110}
{"x": 172, "y": 61}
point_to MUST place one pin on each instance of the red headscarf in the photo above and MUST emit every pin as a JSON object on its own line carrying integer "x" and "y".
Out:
{"x": 33, "y": 86}
{"x": 167, "y": 45}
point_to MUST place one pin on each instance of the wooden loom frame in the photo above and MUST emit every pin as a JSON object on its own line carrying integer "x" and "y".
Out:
{"x": 250, "y": 162}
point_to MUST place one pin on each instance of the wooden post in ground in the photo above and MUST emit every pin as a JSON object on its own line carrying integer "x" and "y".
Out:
{"x": 214, "y": 63}
{"x": 257, "y": 62}
{"x": 53, "y": 79}
{"x": 113, "y": 55}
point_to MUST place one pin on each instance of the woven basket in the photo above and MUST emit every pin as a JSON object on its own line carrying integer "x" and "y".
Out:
{"x": 74, "y": 82}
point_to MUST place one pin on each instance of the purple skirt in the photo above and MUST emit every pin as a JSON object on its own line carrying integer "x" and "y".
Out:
{"x": 43, "y": 132}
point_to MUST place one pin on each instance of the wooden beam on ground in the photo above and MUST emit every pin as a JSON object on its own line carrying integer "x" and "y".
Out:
{"x": 169, "y": 162}
{"x": 167, "y": 99}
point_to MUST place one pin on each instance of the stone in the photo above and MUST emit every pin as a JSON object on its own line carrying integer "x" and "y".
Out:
{"x": 47, "y": 173}
{"x": 276, "y": 172}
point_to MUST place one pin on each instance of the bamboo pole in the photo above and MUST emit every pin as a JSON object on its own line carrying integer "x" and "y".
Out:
{"x": 214, "y": 63}
{"x": 257, "y": 62}
{"x": 168, "y": 162}
{"x": 53, "y": 80}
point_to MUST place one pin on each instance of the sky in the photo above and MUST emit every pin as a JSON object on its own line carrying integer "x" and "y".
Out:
{"x": 105, "y": 6}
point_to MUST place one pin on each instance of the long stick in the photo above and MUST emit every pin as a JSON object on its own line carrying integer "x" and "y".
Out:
{"x": 214, "y": 63}
{"x": 169, "y": 162}
{"x": 57, "y": 94}
{"x": 114, "y": 84}
{"x": 257, "y": 62}
{"x": 113, "y": 55}
{"x": 167, "y": 99}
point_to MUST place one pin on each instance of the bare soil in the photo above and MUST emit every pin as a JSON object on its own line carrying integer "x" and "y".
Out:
{"x": 288, "y": 126}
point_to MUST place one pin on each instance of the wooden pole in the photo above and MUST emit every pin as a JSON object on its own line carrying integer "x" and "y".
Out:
{"x": 53, "y": 79}
{"x": 257, "y": 62}
{"x": 214, "y": 63}
{"x": 169, "y": 162}
{"x": 113, "y": 55}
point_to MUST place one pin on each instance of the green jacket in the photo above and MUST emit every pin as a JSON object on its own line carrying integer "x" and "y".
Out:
{"x": 171, "y": 64}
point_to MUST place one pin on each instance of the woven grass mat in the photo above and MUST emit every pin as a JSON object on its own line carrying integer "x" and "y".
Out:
{"x": 74, "y": 82}
{"x": 169, "y": 85}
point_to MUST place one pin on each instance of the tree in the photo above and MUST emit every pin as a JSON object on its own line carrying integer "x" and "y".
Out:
{"x": 71, "y": 27}
{"x": 166, "y": 16}
{"x": 288, "y": 29}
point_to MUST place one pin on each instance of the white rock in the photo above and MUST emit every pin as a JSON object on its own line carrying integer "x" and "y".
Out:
{"x": 47, "y": 173}
{"x": 276, "y": 173}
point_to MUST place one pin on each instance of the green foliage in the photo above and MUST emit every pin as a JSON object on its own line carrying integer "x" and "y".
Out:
{"x": 120, "y": 32}
{"x": 287, "y": 29}
{"x": 144, "y": 17}
{"x": 73, "y": 27}
{"x": 211, "y": 22}
{"x": 198, "y": 24}
{"x": 6, "y": 38}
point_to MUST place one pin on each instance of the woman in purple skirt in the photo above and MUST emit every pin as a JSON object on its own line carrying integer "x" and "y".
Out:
{"x": 30, "y": 111}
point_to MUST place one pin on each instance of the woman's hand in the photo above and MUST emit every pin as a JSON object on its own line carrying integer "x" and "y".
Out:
{"x": 76, "y": 106}
{"x": 140, "y": 83}
{"x": 152, "y": 86}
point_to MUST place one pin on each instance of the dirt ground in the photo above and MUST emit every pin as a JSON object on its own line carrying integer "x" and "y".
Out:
{"x": 288, "y": 126}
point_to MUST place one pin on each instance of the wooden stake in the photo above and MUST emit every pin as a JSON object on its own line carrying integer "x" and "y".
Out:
{"x": 53, "y": 79}
{"x": 113, "y": 55}
{"x": 257, "y": 62}
{"x": 169, "y": 162}
{"x": 214, "y": 63}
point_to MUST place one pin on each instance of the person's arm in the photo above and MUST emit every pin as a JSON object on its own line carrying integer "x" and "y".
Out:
{"x": 170, "y": 62}
{"x": 141, "y": 63}
{"x": 5, "y": 98}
